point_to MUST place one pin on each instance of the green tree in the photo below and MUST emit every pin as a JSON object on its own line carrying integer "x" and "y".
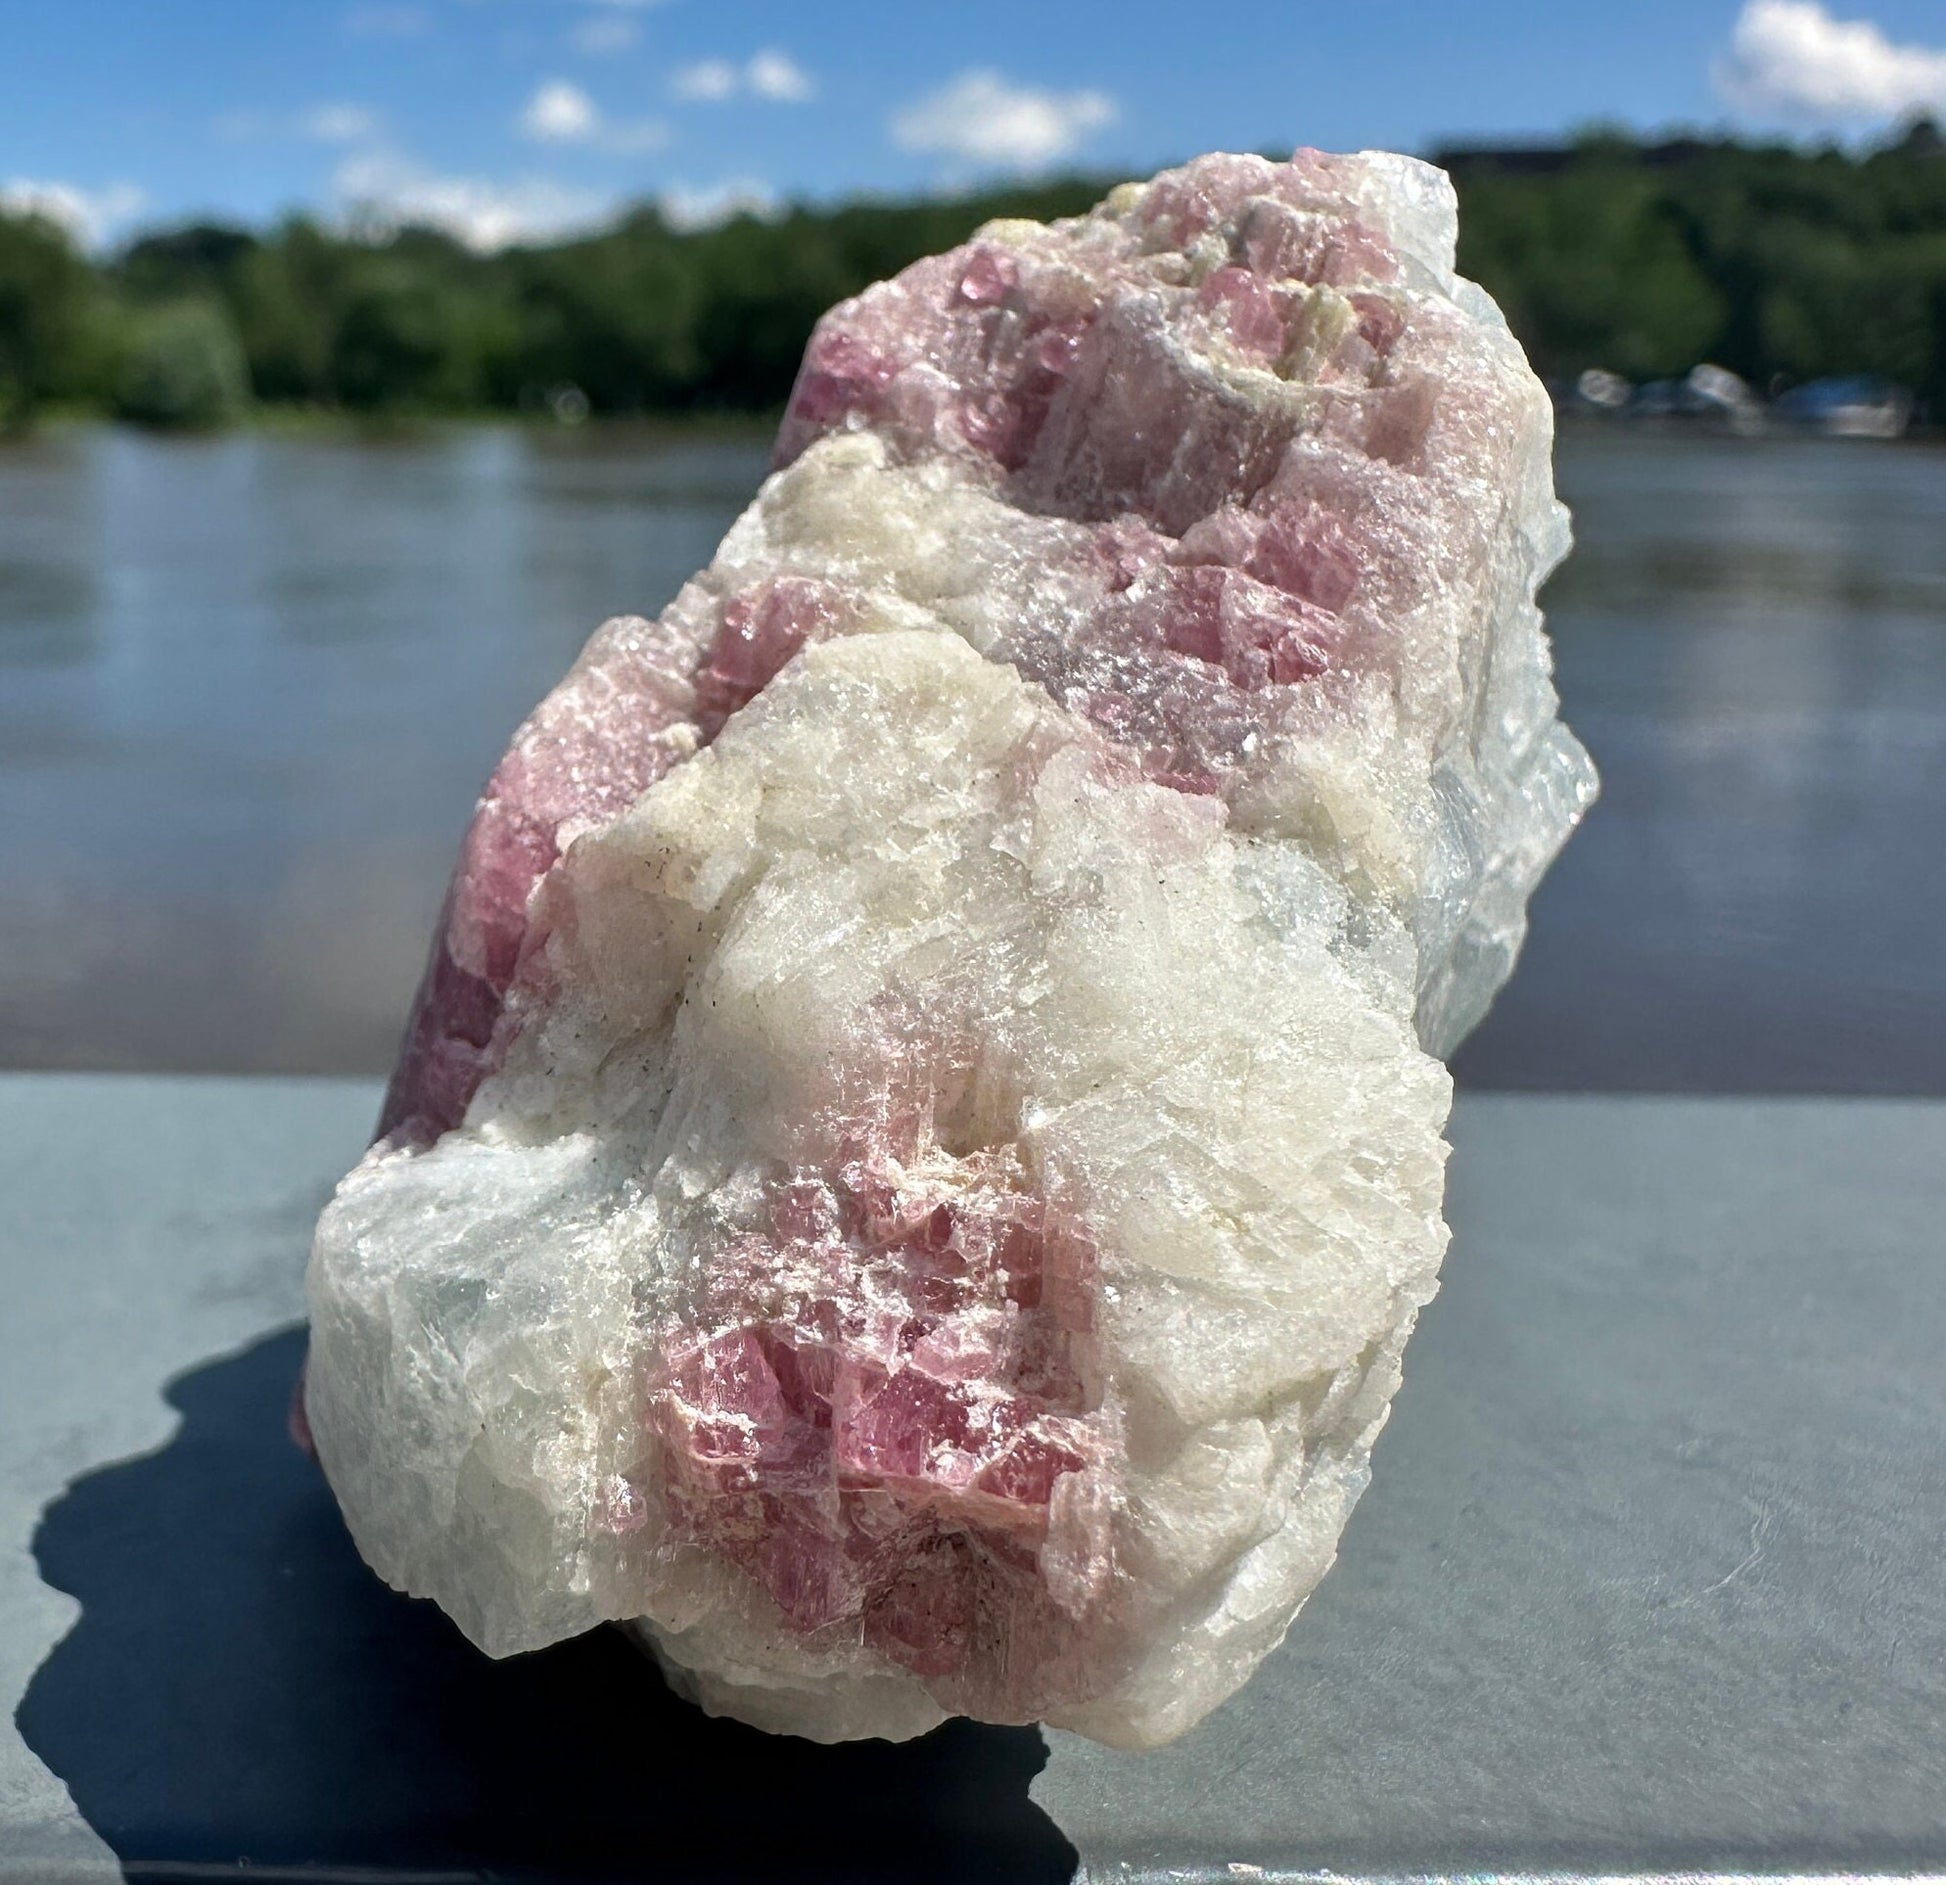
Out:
{"x": 183, "y": 366}
{"x": 392, "y": 338}
{"x": 1592, "y": 269}
{"x": 196, "y": 259}
{"x": 1603, "y": 252}
{"x": 616, "y": 315}
{"x": 50, "y": 318}
{"x": 284, "y": 298}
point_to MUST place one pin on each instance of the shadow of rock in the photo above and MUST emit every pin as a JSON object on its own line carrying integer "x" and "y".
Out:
{"x": 239, "y": 1688}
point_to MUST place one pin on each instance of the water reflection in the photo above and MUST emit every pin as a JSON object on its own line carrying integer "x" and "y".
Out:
{"x": 46, "y": 611}
{"x": 248, "y": 687}
{"x": 1752, "y": 638}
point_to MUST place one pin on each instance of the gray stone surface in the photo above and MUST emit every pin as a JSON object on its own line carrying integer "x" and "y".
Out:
{"x": 1649, "y": 1578}
{"x": 145, "y": 1226}
{"x": 1650, "y": 1574}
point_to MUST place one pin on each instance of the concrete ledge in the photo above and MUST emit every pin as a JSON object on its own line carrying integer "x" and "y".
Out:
{"x": 1649, "y": 1579}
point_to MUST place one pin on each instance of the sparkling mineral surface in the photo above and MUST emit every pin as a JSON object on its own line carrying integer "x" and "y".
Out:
{"x": 918, "y": 1150}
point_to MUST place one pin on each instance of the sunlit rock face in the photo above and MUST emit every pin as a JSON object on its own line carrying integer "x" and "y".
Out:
{"x": 919, "y": 1148}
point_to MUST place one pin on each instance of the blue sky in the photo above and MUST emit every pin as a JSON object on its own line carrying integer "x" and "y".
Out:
{"x": 513, "y": 118}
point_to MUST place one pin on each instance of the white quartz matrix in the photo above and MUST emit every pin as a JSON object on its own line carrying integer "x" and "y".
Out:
{"x": 919, "y": 1148}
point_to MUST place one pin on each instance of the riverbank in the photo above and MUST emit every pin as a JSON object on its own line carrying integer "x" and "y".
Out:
{"x": 335, "y": 423}
{"x": 758, "y": 428}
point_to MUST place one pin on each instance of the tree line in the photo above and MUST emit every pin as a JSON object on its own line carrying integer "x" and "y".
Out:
{"x": 1779, "y": 263}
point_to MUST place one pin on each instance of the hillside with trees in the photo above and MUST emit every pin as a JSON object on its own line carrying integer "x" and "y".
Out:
{"x": 1781, "y": 264}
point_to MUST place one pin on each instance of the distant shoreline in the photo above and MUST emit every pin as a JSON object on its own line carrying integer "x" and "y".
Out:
{"x": 279, "y": 421}
{"x": 1638, "y": 263}
{"x": 753, "y": 428}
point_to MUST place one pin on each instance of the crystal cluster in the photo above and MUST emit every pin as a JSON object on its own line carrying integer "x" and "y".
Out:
{"x": 918, "y": 1150}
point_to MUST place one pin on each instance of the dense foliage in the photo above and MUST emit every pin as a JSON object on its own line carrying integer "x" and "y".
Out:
{"x": 1782, "y": 265}
{"x": 1778, "y": 263}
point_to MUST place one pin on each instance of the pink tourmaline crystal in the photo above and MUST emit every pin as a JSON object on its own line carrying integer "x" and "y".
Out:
{"x": 918, "y": 1149}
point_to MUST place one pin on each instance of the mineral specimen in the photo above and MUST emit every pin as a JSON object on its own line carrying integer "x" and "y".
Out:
{"x": 919, "y": 1147}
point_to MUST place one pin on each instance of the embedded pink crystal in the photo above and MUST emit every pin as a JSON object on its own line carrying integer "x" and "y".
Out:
{"x": 965, "y": 354}
{"x": 914, "y": 1158}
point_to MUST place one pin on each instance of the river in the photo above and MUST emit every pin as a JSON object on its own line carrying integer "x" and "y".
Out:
{"x": 249, "y": 685}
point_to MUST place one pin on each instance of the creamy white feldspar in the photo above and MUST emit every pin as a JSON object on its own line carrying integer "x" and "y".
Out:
{"x": 915, "y": 1162}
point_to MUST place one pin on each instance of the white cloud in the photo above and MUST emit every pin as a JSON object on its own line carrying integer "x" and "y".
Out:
{"x": 388, "y": 22}
{"x": 768, "y": 74}
{"x": 692, "y": 206}
{"x": 984, "y": 118}
{"x": 1791, "y": 59}
{"x": 604, "y": 32}
{"x": 91, "y": 217}
{"x": 776, "y": 75}
{"x": 560, "y": 113}
{"x": 389, "y": 192}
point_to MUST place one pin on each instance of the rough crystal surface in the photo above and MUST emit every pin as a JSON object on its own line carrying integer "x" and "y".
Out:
{"x": 918, "y": 1150}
